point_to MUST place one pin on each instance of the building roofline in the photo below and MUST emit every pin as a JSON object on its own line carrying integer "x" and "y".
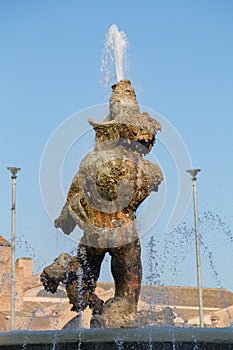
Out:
{"x": 4, "y": 242}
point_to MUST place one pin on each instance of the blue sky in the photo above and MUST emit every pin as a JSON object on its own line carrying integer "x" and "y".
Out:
{"x": 180, "y": 55}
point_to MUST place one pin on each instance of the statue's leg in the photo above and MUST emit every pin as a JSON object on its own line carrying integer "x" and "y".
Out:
{"x": 120, "y": 311}
{"x": 127, "y": 272}
{"x": 91, "y": 258}
{"x": 68, "y": 271}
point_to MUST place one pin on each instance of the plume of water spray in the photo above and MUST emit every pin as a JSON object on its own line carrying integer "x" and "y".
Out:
{"x": 114, "y": 54}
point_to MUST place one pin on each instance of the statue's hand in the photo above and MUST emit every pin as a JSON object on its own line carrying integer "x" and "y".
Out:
{"x": 65, "y": 221}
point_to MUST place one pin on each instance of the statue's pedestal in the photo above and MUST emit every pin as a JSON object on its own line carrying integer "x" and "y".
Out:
{"x": 141, "y": 338}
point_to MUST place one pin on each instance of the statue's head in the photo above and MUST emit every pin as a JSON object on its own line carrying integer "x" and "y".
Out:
{"x": 123, "y": 100}
{"x": 125, "y": 124}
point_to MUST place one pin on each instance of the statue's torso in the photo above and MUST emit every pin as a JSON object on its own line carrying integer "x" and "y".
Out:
{"x": 111, "y": 185}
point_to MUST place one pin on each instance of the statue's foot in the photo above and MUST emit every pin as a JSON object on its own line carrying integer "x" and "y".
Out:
{"x": 80, "y": 297}
{"x": 59, "y": 271}
{"x": 115, "y": 314}
{"x": 77, "y": 295}
{"x": 68, "y": 271}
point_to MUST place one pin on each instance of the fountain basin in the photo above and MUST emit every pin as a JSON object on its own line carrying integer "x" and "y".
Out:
{"x": 132, "y": 338}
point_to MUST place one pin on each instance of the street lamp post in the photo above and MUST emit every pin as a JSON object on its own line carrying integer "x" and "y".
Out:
{"x": 13, "y": 171}
{"x": 193, "y": 173}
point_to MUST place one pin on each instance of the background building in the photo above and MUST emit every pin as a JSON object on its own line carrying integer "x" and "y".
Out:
{"x": 36, "y": 309}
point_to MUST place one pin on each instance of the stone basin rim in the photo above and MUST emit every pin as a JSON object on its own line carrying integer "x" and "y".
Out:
{"x": 126, "y": 335}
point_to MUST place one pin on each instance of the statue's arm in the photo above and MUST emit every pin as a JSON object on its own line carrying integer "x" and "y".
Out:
{"x": 65, "y": 220}
{"x": 73, "y": 213}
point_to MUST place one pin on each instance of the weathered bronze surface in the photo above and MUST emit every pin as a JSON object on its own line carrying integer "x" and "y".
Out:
{"x": 112, "y": 181}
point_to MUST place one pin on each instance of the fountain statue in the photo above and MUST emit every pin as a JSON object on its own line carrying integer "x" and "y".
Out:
{"x": 111, "y": 183}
